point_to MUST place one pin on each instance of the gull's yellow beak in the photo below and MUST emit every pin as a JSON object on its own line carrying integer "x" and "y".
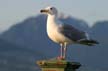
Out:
{"x": 44, "y": 11}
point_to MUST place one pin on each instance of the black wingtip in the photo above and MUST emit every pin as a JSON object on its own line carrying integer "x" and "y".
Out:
{"x": 89, "y": 42}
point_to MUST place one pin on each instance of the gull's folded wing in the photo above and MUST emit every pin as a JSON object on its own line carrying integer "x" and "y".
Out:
{"x": 71, "y": 32}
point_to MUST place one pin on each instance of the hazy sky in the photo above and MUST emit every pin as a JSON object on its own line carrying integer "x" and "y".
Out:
{"x": 14, "y": 11}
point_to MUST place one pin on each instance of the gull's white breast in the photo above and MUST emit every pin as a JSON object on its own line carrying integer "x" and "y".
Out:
{"x": 54, "y": 34}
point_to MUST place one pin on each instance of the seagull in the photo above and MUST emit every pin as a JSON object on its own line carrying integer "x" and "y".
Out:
{"x": 64, "y": 34}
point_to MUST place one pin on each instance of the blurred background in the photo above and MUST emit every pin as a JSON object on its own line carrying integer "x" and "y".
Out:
{"x": 23, "y": 37}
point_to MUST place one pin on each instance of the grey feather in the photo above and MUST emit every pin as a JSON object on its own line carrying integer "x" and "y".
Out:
{"x": 72, "y": 33}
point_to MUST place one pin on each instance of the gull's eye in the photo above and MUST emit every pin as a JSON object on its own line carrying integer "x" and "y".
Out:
{"x": 51, "y": 8}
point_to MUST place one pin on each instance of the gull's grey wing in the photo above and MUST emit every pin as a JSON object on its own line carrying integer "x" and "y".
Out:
{"x": 71, "y": 32}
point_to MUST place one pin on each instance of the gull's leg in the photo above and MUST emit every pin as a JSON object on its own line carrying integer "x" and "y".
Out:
{"x": 61, "y": 50}
{"x": 65, "y": 50}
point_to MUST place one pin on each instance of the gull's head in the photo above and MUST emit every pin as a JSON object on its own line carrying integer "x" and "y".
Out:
{"x": 49, "y": 11}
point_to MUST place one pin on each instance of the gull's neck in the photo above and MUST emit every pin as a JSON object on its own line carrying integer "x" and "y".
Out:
{"x": 51, "y": 22}
{"x": 51, "y": 19}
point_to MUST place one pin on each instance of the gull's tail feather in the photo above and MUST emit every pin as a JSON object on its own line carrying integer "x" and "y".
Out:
{"x": 88, "y": 42}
